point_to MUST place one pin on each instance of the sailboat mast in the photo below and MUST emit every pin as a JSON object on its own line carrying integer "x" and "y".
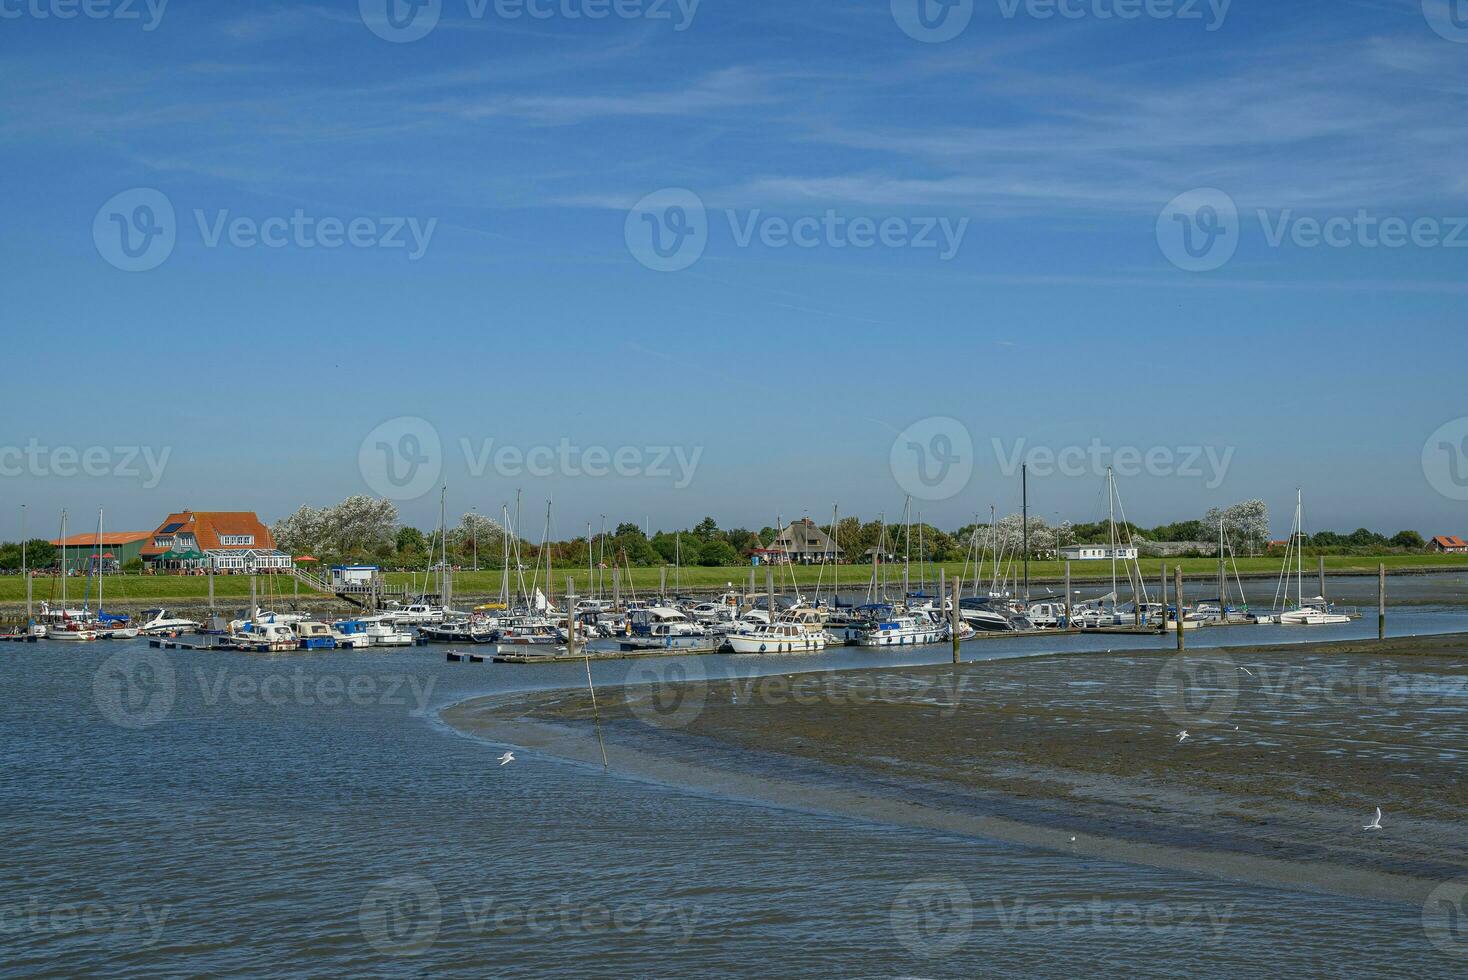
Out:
{"x": 1111, "y": 503}
{"x": 1024, "y": 496}
{"x": 99, "y": 561}
{"x": 63, "y": 561}
{"x": 1300, "y": 546}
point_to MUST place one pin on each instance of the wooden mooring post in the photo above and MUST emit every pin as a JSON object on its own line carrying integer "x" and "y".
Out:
{"x": 954, "y": 618}
{"x": 1162, "y": 627}
{"x": 1381, "y": 601}
{"x": 1179, "y": 590}
{"x": 1068, "y": 623}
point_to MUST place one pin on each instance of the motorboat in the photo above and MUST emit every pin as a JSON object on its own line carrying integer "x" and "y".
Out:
{"x": 800, "y": 630}
{"x": 350, "y": 634}
{"x": 314, "y": 635}
{"x": 908, "y": 630}
{"x": 71, "y": 631}
{"x": 157, "y": 622}
{"x": 264, "y": 638}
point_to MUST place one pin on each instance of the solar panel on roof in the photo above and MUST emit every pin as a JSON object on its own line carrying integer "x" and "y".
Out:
{"x": 171, "y": 528}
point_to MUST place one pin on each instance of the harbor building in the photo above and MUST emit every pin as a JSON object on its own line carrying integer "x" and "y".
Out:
{"x": 224, "y": 542}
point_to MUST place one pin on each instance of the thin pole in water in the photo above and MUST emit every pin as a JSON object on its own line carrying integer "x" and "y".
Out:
{"x": 1179, "y": 590}
{"x": 1381, "y": 601}
{"x": 953, "y": 616}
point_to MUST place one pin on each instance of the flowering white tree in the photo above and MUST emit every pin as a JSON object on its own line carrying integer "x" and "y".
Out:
{"x": 1246, "y": 523}
{"x": 358, "y": 523}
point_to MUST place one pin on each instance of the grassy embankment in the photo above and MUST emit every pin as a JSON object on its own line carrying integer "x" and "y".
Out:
{"x": 178, "y": 588}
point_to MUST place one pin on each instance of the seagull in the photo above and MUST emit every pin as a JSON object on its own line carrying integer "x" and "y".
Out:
{"x": 1247, "y": 671}
{"x": 1375, "y": 824}
{"x": 1183, "y": 736}
{"x": 507, "y": 758}
{"x": 1072, "y": 840}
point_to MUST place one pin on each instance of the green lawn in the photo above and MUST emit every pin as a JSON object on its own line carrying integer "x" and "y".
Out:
{"x": 175, "y": 588}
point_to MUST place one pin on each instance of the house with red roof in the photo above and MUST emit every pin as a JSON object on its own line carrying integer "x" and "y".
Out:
{"x": 1448, "y": 544}
{"x": 224, "y": 541}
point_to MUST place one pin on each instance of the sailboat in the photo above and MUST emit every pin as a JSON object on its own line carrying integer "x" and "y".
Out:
{"x": 1305, "y": 612}
{"x": 109, "y": 627}
{"x": 66, "y": 628}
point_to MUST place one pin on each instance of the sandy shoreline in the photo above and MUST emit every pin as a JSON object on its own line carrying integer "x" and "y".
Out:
{"x": 1290, "y": 749}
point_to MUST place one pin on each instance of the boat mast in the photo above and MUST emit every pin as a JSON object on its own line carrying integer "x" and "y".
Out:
{"x": 1024, "y": 495}
{"x": 63, "y": 562}
{"x": 1300, "y": 547}
{"x": 99, "y": 563}
{"x": 505, "y": 556}
{"x": 1111, "y": 503}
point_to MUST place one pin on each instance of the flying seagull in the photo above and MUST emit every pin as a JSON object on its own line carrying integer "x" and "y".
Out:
{"x": 1183, "y": 736}
{"x": 1375, "y": 824}
{"x": 507, "y": 758}
{"x": 1247, "y": 671}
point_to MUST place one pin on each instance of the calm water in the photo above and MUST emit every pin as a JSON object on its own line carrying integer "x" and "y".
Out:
{"x": 307, "y": 812}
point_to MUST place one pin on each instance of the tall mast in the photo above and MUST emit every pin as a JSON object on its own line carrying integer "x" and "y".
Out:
{"x": 1300, "y": 546}
{"x": 1111, "y": 503}
{"x": 1024, "y": 493}
{"x": 63, "y": 561}
{"x": 505, "y": 555}
{"x": 99, "y": 561}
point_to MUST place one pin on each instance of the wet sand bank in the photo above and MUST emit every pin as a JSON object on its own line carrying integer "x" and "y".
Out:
{"x": 1290, "y": 750}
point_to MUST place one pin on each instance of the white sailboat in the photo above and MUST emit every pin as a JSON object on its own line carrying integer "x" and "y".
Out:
{"x": 1315, "y": 611}
{"x": 67, "y": 629}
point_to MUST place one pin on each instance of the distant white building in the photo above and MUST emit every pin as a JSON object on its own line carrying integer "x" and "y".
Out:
{"x": 1097, "y": 552}
{"x": 348, "y": 575}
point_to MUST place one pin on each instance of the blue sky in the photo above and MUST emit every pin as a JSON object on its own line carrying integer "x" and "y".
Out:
{"x": 1055, "y": 144}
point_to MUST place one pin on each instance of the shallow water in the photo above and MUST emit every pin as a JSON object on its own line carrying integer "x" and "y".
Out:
{"x": 228, "y": 813}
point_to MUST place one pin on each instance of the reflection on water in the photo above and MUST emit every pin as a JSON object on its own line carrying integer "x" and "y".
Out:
{"x": 227, "y": 813}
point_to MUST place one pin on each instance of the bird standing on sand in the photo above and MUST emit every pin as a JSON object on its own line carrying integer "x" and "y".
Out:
{"x": 507, "y": 758}
{"x": 1183, "y": 736}
{"x": 1375, "y": 824}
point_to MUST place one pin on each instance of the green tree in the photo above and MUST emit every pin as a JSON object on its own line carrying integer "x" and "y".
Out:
{"x": 1408, "y": 539}
{"x": 410, "y": 540}
{"x": 717, "y": 554}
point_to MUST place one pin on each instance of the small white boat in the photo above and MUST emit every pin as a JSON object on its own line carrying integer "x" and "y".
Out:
{"x": 273, "y": 637}
{"x": 1313, "y": 612}
{"x": 70, "y": 631}
{"x": 157, "y": 622}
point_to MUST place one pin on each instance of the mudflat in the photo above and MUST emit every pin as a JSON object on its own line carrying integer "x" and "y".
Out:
{"x": 1288, "y": 752}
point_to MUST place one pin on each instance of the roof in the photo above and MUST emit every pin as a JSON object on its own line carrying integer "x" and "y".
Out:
{"x": 207, "y": 526}
{"x": 113, "y": 540}
{"x": 803, "y": 537}
{"x": 1449, "y": 541}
